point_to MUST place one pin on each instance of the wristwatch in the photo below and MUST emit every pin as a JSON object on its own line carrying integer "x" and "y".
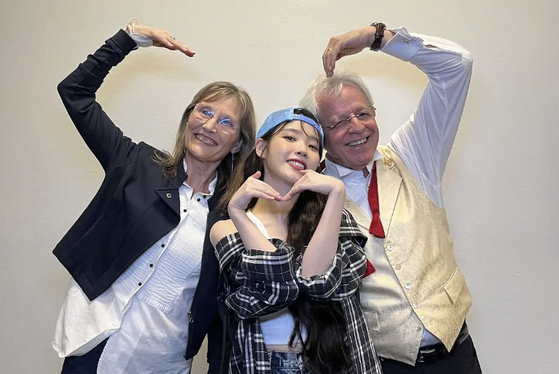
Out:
{"x": 379, "y": 34}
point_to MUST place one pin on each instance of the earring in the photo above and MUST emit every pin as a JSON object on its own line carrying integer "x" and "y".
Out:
{"x": 232, "y": 161}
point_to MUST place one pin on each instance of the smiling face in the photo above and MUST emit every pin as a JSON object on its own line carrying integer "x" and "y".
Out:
{"x": 293, "y": 148}
{"x": 353, "y": 144}
{"x": 212, "y": 130}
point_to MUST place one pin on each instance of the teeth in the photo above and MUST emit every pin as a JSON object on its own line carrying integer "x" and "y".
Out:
{"x": 357, "y": 142}
{"x": 296, "y": 164}
{"x": 205, "y": 140}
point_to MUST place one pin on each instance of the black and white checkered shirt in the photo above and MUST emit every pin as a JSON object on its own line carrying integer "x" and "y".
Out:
{"x": 257, "y": 283}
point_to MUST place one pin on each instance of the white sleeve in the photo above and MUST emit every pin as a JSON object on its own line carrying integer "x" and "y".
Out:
{"x": 141, "y": 40}
{"x": 425, "y": 140}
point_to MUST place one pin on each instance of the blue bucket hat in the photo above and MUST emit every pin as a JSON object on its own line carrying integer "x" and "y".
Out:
{"x": 288, "y": 114}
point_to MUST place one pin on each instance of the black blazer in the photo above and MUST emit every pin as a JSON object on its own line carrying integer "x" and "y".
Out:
{"x": 135, "y": 206}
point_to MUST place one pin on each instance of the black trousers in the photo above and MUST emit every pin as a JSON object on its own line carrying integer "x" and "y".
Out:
{"x": 86, "y": 364}
{"x": 461, "y": 360}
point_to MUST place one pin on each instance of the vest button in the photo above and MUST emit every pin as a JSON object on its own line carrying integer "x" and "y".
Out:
{"x": 398, "y": 267}
{"x": 407, "y": 286}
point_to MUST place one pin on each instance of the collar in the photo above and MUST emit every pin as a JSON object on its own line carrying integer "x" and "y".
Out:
{"x": 341, "y": 172}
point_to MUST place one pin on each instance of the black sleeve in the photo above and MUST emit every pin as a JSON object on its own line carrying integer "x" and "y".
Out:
{"x": 77, "y": 92}
{"x": 215, "y": 346}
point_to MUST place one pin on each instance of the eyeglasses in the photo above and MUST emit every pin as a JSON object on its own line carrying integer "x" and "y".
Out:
{"x": 206, "y": 113}
{"x": 363, "y": 116}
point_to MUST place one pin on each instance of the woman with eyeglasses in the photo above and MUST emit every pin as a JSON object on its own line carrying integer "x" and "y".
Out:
{"x": 292, "y": 260}
{"x": 144, "y": 277}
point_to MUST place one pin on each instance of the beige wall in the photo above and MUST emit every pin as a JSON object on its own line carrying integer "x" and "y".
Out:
{"x": 500, "y": 184}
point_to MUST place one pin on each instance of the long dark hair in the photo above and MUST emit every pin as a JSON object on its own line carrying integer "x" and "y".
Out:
{"x": 324, "y": 348}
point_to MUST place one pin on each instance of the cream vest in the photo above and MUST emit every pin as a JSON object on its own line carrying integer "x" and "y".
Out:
{"x": 417, "y": 282}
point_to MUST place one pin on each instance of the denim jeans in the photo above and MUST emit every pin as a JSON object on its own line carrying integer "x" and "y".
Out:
{"x": 287, "y": 363}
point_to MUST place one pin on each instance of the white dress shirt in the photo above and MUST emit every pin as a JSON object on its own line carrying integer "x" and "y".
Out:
{"x": 144, "y": 312}
{"x": 424, "y": 141}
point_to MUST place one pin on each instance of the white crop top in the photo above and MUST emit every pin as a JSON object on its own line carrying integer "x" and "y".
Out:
{"x": 276, "y": 327}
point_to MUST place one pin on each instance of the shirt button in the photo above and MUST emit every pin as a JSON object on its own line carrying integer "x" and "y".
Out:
{"x": 169, "y": 196}
{"x": 407, "y": 286}
{"x": 163, "y": 245}
{"x": 150, "y": 265}
{"x": 390, "y": 247}
{"x": 198, "y": 199}
{"x": 184, "y": 210}
{"x": 140, "y": 284}
{"x": 398, "y": 267}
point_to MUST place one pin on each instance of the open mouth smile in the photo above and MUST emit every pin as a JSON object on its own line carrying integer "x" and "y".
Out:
{"x": 299, "y": 165}
{"x": 205, "y": 140}
{"x": 357, "y": 142}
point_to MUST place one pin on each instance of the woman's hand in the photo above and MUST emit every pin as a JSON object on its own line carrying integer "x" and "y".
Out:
{"x": 250, "y": 234}
{"x": 313, "y": 181}
{"x": 323, "y": 245}
{"x": 253, "y": 187}
{"x": 162, "y": 38}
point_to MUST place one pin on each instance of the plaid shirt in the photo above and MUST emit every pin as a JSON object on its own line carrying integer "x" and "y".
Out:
{"x": 257, "y": 283}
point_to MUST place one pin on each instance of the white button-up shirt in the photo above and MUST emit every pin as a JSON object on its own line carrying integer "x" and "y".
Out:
{"x": 144, "y": 312}
{"x": 424, "y": 141}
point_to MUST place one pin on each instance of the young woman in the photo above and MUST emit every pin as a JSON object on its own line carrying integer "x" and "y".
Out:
{"x": 291, "y": 259}
{"x": 144, "y": 287}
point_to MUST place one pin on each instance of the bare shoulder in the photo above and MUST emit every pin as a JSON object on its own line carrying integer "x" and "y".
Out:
{"x": 220, "y": 230}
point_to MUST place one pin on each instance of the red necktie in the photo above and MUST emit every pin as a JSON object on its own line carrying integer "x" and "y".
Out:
{"x": 376, "y": 225}
{"x": 370, "y": 268}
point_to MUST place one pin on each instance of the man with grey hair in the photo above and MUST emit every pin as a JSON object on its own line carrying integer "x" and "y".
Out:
{"x": 416, "y": 299}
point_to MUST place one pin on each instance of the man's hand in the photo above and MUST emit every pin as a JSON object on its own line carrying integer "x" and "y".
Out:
{"x": 350, "y": 43}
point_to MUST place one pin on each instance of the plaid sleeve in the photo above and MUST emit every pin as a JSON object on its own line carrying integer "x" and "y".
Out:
{"x": 343, "y": 278}
{"x": 362, "y": 352}
{"x": 264, "y": 282}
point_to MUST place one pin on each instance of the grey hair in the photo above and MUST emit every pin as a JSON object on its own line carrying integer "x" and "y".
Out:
{"x": 333, "y": 87}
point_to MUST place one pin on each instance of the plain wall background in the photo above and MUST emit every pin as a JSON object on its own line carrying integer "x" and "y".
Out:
{"x": 500, "y": 183}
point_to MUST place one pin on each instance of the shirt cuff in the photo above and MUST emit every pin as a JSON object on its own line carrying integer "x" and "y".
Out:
{"x": 405, "y": 45}
{"x": 402, "y": 45}
{"x": 141, "y": 40}
{"x": 268, "y": 266}
{"x": 323, "y": 286}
